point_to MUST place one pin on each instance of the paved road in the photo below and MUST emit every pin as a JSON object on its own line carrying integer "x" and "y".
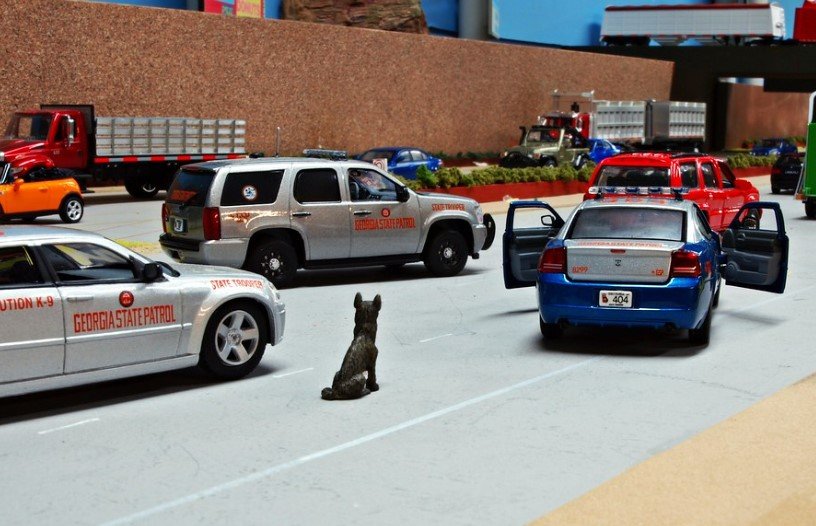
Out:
{"x": 477, "y": 421}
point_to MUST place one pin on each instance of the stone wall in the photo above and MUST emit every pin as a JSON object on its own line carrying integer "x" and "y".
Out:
{"x": 326, "y": 85}
{"x": 755, "y": 114}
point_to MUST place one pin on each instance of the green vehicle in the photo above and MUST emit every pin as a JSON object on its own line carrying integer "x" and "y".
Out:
{"x": 806, "y": 189}
{"x": 547, "y": 146}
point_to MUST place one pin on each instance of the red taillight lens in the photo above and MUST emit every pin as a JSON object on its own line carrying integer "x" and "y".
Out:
{"x": 684, "y": 264}
{"x": 776, "y": 171}
{"x": 212, "y": 224}
{"x": 165, "y": 216}
{"x": 553, "y": 261}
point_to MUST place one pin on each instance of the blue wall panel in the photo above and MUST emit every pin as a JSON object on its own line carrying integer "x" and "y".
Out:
{"x": 171, "y": 4}
{"x": 442, "y": 15}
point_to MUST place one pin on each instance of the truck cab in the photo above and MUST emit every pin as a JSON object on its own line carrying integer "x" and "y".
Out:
{"x": 806, "y": 189}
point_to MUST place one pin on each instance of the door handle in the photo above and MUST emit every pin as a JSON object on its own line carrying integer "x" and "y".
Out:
{"x": 362, "y": 212}
{"x": 76, "y": 299}
{"x": 301, "y": 214}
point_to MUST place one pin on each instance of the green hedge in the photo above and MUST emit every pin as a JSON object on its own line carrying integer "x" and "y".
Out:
{"x": 448, "y": 177}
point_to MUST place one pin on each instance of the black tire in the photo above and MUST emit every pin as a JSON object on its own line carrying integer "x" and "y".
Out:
{"x": 579, "y": 161}
{"x": 446, "y": 254}
{"x": 550, "y": 331}
{"x": 810, "y": 209}
{"x": 141, "y": 188}
{"x": 236, "y": 349}
{"x": 548, "y": 161}
{"x": 775, "y": 189}
{"x": 702, "y": 335}
{"x": 276, "y": 260}
{"x": 71, "y": 209}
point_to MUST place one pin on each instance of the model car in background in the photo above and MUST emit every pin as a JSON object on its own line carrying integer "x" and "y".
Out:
{"x": 785, "y": 172}
{"x": 40, "y": 192}
{"x": 273, "y": 216}
{"x": 708, "y": 181}
{"x": 78, "y": 308}
{"x": 773, "y": 147}
{"x": 403, "y": 160}
{"x": 638, "y": 261}
{"x": 546, "y": 146}
{"x": 600, "y": 149}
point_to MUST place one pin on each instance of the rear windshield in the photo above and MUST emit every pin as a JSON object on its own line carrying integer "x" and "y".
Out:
{"x": 628, "y": 223}
{"x": 190, "y": 187}
{"x": 633, "y": 176}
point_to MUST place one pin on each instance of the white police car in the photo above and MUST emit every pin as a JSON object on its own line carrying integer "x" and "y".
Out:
{"x": 77, "y": 308}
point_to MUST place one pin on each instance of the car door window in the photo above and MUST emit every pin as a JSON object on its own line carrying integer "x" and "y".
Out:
{"x": 688, "y": 175}
{"x": 727, "y": 176}
{"x": 370, "y": 185}
{"x": 708, "y": 175}
{"x": 404, "y": 157}
{"x": 318, "y": 185}
{"x": 86, "y": 262}
{"x": 419, "y": 156}
{"x": 18, "y": 268}
{"x": 251, "y": 188}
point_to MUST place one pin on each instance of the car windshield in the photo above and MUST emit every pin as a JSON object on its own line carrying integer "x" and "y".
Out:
{"x": 28, "y": 127}
{"x": 370, "y": 155}
{"x": 543, "y": 135}
{"x": 628, "y": 223}
{"x": 190, "y": 187}
{"x": 633, "y": 176}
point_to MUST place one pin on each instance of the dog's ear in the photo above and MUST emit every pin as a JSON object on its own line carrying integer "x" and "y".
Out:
{"x": 358, "y": 300}
{"x": 377, "y": 302}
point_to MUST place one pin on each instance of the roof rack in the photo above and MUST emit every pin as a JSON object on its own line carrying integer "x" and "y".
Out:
{"x": 681, "y": 155}
{"x": 334, "y": 155}
{"x": 644, "y": 191}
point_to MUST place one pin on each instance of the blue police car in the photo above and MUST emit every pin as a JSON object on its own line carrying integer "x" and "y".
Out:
{"x": 403, "y": 160}
{"x": 639, "y": 261}
{"x": 776, "y": 146}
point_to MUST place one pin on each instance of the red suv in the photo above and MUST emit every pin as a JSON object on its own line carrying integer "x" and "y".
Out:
{"x": 709, "y": 181}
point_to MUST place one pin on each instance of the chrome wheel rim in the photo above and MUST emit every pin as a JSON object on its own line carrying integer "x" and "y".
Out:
{"x": 237, "y": 337}
{"x": 74, "y": 210}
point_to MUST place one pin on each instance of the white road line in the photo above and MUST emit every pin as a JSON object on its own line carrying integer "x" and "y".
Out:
{"x": 426, "y": 340}
{"x": 293, "y": 372}
{"x": 258, "y": 475}
{"x": 88, "y": 421}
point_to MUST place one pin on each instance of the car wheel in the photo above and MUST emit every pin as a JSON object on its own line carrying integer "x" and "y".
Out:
{"x": 71, "y": 209}
{"x": 276, "y": 260}
{"x": 548, "y": 161}
{"x": 446, "y": 254}
{"x": 702, "y": 335}
{"x": 234, "y": 341}
{"x": 141, "y": 188}
{"x": 550, "y": 331}
{"x": 810, "y": 209}
{"x": 775, "y": 189}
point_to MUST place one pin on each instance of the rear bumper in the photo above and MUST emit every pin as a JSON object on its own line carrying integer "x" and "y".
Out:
{"x": 223, "y": 252}
{"x": 681, "y": 303}
{"x": 784, "y": 180}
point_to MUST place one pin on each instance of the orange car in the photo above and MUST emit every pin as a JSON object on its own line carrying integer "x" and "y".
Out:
{"x": 39, "y": 193}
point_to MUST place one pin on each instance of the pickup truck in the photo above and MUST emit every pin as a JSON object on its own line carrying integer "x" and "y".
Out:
{"x": 706, "y": 180}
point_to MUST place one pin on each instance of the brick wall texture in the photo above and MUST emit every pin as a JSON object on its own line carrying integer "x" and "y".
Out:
{"x": 755, "y": 114}
{"x": 323, "y": 85}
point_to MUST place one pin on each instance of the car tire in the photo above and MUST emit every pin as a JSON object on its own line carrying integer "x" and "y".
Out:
{"x": 550, "y": 331}
{"x": 234, "y": 341}
{"x": 549, "y": 161}
{"x": 702, "y": 335}
{"x": 141, "y": 188}
{"x": 810, "y": 209}
{"x": 775, "y": 189}
{"x": 276, "y": 260}
{"x": 71, "y": 209}
{"x": 446, "y": 254}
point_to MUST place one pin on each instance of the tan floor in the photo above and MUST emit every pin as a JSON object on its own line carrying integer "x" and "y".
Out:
{"x": 758, "y": 467}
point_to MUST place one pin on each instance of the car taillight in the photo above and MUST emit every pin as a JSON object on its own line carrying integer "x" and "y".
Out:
{"x": 684, "y": 264}
{"x": 776, "y": 171}
{"x": 212, "y": 223}
{"x": 553, "y": 261}
{"x": 165, "y": 216}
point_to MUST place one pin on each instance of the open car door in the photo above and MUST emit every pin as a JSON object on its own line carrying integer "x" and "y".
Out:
{"x": 525, "y": 236}
{"x": 755, "y": 247}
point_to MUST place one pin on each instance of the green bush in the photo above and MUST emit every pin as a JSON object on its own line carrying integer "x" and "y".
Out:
{"x": 742, "y": 160}
{"x": 426, "y": 178}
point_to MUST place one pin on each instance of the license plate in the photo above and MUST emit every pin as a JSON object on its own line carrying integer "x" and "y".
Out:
{"x": 615, "y": 298}
{"x": 179, "y": 224}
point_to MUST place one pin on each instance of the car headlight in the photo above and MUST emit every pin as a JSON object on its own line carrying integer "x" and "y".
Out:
{"x": 504, "y": 153}
{"x": 479, "y": 214}
{"x": 536, "y": 155}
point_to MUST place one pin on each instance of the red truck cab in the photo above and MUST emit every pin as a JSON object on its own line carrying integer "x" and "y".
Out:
{"x": 46, "y": 138}
{"x": 708, "y": 181}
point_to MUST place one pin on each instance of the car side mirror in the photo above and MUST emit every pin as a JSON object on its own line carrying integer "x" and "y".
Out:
{"x": 18, "y": 182}
{"x": 403, "y": 194}
{"x": 548, "y": 220}
{"x": 68, "y": 130}
{"x": 152, "y": 272}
